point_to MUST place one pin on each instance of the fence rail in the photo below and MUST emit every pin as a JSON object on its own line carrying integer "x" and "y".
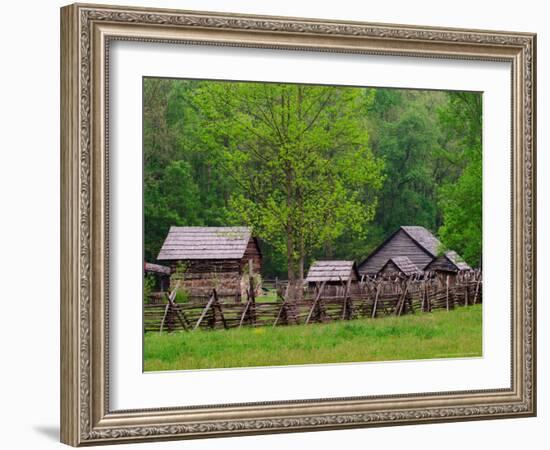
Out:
{"x": 371, "y": 297}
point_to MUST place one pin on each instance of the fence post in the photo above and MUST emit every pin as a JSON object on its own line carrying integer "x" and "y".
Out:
{"x": 401, "y": 302}
{"x": 447, "y": 287}
{"x": 164, "y": 317}
{"x": 245, "y": 310}
{"x": 282, "y": 310}
{"x": 376, "y": 300}
{"x": 346, "y": 308}
{"x": 219, "y": 306}
{"x": 477, "y": 287}
{"x": 424, "y": 296}
{"x": 315, "y": 302}
{"x": 252, "y": 292}
{"x": 205, "y": 310}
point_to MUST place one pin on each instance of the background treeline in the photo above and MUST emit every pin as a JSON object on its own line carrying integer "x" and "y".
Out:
{"x": 317, "y": 171}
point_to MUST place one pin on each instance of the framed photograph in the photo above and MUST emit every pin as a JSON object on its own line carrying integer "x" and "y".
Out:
{"x": 275, "y": 224}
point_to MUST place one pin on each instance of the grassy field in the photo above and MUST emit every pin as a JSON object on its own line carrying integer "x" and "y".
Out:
{"x": 440, "y": 334}
{"x": 268, "y": 297}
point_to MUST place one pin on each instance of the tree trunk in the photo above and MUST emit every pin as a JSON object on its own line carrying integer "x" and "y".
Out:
{"x": 290, "y": 263}
{"x": 290, "y": 244}
{"x": 300, "y": 281}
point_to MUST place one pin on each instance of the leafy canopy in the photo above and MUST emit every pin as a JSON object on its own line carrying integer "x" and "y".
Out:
{"x": 300, "y": 157}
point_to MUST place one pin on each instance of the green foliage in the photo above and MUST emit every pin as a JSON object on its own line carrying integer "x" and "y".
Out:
{"x": 256, "y": 279}
{"x": 440, "y": 334}
{"x": 148, "y": 287}
{"x": 462, "y": 209}
{"x": 300, "y": 157}
{"x": 461, "y": 200}
{"x": 182, "y": 296}
{"x": 181, "y": 269}
{"x": 173, "y": 199}
{"x": 405, "y": 132}
{"x": 317, "y": 171}
{"x": 182, "y": 183}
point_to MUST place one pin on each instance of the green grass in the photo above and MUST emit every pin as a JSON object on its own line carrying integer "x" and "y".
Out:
{"x": 268, "y": 297}
{"x": 440, "y": 334}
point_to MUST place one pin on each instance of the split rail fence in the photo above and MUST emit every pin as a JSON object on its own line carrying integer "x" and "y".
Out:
{"x": 371, "y": 297}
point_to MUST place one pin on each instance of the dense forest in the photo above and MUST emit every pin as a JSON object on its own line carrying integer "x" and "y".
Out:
{"x": 317, "y": 171}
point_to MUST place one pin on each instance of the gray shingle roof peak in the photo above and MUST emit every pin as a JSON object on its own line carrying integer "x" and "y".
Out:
{"x": 423, "y": 237}
{"x": 334, "y": 270}
{"x": 404, "y": 264}
{"x": 186, "y": 243}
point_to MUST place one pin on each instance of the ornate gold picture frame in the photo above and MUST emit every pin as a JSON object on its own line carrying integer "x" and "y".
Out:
{"x": 87, "y": 31}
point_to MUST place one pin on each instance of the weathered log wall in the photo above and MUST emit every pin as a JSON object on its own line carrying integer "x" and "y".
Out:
{"x": 228, "y": 276}
{"x": 400, "y": 244}
{"x": 228, "y": 284}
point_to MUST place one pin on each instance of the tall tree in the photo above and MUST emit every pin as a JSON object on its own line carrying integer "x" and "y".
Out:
{"x": 213, "y": 151}
{"x": 172, "y": 200}
{"x": 182, "y": 185}
{"x": 301, "y": 159}
{"x": 461, "y": 200}
{"x": 404, "y": 128}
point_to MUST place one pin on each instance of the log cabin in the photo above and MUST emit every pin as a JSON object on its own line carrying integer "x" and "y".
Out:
{"x": 416, "y": 243}
{"x": 204, "y": 258}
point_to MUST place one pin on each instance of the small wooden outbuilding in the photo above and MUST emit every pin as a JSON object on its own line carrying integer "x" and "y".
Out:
{"x": 332, "y": 272}
{"x": 399, "y": 265}
{"x": 161, "y": 275}
{"x": 414, "y": 242}
{"x": 204, "y": 258}
{"x": 449, "y": 262}
{"x": 335, "y": 275}
{"x": 419, "y": 246}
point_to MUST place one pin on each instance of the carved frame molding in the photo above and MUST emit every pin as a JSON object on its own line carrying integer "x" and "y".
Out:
{"x": 86, "y": 31}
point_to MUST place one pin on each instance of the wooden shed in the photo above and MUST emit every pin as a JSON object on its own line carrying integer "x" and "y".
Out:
{"x": 161, "y": 275}
{"x": 449, "y": 262}
{"x": 204, "y": 258}
{"x": 400, "y": 265}
{"x": 334, "y": 274}
{"x": 415, "y": 242}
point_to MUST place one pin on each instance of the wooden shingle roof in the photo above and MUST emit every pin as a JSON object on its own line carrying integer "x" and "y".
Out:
{"x": 424, "y": 249}
{"x": 455, "y": 258}
{"x": 429, "y": 242}
{"x": 189, "y": 243}
{"x": 449, "y": 261}
{"x": 403, "y": 264}
{"x": 157, "y": 268}
{"x": 331, "y": 271}
{"x": 424, "y": 238}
